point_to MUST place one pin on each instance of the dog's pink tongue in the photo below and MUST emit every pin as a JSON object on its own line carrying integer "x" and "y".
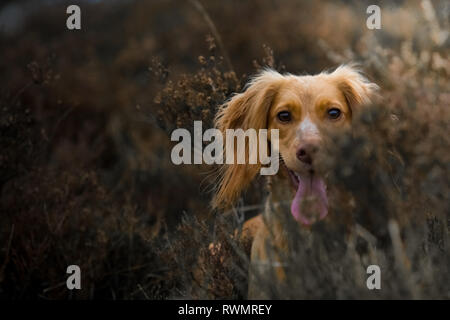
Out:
{"x": 312, "y": 191}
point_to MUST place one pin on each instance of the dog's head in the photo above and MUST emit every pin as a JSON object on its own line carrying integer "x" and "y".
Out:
{"x": 300, "y": 107}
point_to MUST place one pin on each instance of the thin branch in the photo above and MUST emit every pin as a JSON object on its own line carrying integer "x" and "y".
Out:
{"x": 214, "y": 31}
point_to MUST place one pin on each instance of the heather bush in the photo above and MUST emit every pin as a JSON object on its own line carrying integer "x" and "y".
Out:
{"x": 85, "y": 170}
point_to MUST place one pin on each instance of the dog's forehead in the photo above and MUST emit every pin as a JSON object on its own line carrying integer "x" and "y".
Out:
{"x": 311, "y": 87}
{"x": 314, "y": 82}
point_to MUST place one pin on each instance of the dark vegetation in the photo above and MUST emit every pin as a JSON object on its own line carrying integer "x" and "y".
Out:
{"x": 85, "y": 170}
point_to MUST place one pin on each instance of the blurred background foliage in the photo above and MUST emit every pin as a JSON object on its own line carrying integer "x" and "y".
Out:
{"x": 86, "y": 116}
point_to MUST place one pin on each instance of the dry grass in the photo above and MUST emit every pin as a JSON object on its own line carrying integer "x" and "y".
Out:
{"x": 85, "y": 172}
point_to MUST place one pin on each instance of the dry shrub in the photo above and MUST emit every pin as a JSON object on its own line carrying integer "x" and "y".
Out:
{"x": 205, "y": 261}
{"x": 85, "y": 170}
{"x": 195, "y": 96}
{"x": 390, "y": 179}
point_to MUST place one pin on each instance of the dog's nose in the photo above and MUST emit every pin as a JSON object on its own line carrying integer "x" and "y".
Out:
{"x": 306, "y": 152}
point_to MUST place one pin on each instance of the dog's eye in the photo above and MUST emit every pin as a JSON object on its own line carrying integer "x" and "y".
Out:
{"x": 284, "y": 116}
{"x": 334, "y": 113}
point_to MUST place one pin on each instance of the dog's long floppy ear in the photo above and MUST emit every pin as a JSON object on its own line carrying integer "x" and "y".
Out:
{"x": 357, "y": 89}
{"x": 244, "y": 111}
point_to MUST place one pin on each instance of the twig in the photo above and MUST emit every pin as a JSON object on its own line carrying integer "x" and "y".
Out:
{"x": 56, "y": 286}
{"x": 214, "y": 31}
{"x": 401, "y": 259}
{"x": 143, "y": 291}
{"x": 366, "y": 235}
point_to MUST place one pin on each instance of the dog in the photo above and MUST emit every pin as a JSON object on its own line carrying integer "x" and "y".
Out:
{"x": 301, "y": 108}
